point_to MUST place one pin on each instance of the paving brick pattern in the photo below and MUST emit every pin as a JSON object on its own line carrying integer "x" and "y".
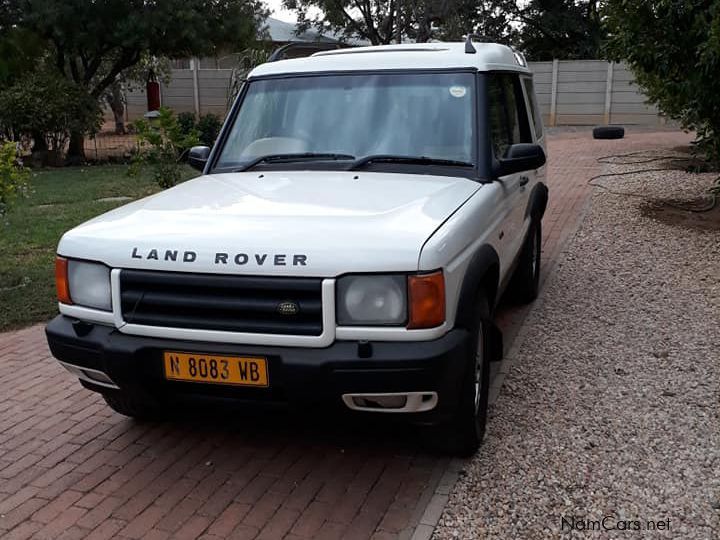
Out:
{"x": 71, "y": 468}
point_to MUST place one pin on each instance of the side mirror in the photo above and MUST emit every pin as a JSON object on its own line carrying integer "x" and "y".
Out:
{"x": 519, "y": 158}
{"x": 198, "y": 156}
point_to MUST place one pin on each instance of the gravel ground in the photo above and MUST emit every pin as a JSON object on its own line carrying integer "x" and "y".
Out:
{"x": 611, "y": 410}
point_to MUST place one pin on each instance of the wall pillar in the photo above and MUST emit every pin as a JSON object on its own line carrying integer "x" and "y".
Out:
{"x": 608, "y": 92}
{"x": 553, "y": 93}
{"x": 195, "y": 66}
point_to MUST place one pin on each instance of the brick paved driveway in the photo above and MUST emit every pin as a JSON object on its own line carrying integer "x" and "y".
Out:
{"x": 71, "y": 468}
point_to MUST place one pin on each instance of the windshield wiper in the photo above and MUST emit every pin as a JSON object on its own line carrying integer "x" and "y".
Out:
{"x": 411, "y": 160}
{"x": 289, "y": 158}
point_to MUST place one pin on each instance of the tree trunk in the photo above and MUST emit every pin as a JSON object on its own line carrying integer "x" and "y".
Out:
{"x": 39, "y": 152}
{"x": 76, "y": 149}
{"x": 424, "y": 31}
{"x": 39, "y": 144}
{"x": 117, "y": 105}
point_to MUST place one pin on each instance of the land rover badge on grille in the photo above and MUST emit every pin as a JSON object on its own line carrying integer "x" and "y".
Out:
{"x": 288, "y": 308}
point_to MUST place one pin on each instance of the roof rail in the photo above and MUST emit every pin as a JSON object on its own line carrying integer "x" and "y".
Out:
{"x": 300, "y": 49}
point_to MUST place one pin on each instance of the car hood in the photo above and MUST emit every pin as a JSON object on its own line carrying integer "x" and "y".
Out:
{"x": 315, "y": 223}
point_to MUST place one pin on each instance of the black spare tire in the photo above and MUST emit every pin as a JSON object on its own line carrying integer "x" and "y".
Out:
{"x": 608, "y": 132}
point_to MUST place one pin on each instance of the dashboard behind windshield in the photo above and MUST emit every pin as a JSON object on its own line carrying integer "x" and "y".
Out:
{"x": 401, "y": 114}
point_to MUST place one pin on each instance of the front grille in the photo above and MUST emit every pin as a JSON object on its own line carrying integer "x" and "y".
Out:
{"x": 259, "y": 305}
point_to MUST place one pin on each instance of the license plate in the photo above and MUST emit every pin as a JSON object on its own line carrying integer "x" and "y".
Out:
{"x": 206, "y": 368}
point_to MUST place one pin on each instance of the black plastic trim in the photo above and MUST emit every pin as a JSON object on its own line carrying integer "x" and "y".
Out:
{"x": 297, "y": 374}
{"x": 341, "y": 72}
{"x": 483, "y": 270}
{"x": 224, "y": 131}
{"x": 221, "y": 302}
{"x": 537, "y": 202}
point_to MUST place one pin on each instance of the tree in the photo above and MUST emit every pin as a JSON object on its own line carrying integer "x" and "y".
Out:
{"x": 564, "y": 29}
{"x": 545, "y": 28}
{"x": 371, "y": 20}
{"x": 134, "y": 78}
{"x": 490, "y": 20}
{"x": 378, "y": 21}
{"x": 673, "y": 48}
{"x": 92, "y": 43}
{"x": 246, "y": 61}
{"x": 20, "y": 51}
{"x": 46, "y": 107}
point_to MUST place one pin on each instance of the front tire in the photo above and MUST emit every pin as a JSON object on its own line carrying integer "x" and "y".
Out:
{"x": 464, "y": 432}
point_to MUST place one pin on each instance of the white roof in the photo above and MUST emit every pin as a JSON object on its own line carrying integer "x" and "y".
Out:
{"x": 488, "y": 57}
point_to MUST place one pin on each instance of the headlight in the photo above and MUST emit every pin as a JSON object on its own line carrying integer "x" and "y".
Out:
{"x": 372, "y": 299}
{"x": 88, "y": 285}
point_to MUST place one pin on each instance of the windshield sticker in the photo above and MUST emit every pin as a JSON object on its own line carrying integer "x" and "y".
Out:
{"x": 458, "y": 91}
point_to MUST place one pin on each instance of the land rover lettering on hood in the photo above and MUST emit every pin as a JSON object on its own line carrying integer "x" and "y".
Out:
{"x": 240, "y": 259}
{"x": 354, "y": 226}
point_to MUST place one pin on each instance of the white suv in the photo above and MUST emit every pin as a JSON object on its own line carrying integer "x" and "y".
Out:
{"x": 358, "y": 218}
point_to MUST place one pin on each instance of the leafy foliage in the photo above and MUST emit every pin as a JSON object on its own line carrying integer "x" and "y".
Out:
{"x": 186, "y": 122}
{"x": 377, "y": 21}
{"x": 566, "y": 29}
{"x": 161, "y": 145}
{"x": 208, "y": 127}
{"x": 20, "y": 51}
{"x": 673, "y": 49}
{"x": 546, "y": 29}
{"x": 93, "y": 43}
{"x": 247, "y": 60}
{"x": 42, "y": 103}
{"x": 13, "y": 176}
{"x": 489, "y": 19}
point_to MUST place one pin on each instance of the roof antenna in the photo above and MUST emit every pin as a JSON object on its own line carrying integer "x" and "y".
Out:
{"x": 469, "y": 49}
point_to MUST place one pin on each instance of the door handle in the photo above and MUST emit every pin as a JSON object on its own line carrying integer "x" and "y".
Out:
{"x": 524, "y": 180}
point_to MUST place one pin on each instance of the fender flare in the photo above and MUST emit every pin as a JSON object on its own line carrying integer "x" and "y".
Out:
{"x": 483, "y": 271}
{"x": 537, "y": 202}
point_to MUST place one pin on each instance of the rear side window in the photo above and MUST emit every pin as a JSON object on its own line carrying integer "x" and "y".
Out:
{"x": 507, "y": 114}
{"x": 534, "y": 110}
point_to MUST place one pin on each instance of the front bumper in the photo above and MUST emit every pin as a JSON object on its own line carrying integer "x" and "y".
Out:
{"x": 299, "y": 375}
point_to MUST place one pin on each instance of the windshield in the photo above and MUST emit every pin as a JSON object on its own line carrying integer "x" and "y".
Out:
{"x": 429, "y": 115}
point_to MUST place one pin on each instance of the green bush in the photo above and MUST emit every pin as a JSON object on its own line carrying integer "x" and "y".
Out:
{"x": 13, "y": 176}
{"x": 209, "y": 128}
{"x": 186, "y": 122}
{"x": 162, "y": 145}
{"x": 45, "y": 104}
{"x": 673, "y": 48}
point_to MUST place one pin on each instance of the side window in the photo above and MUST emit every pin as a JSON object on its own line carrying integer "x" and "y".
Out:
{"x": 507, "y": 114}
{"x": 534, "y": 110}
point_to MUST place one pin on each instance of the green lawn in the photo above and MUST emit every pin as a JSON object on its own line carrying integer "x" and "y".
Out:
{"x": 59, "y": 200}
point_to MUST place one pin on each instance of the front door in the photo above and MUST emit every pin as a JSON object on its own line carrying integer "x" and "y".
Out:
{"x": 509, "y": 125}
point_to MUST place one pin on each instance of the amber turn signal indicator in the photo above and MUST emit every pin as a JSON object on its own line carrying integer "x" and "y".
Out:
{"x": 427, "y": 300}
{"x": 61, "y": 280}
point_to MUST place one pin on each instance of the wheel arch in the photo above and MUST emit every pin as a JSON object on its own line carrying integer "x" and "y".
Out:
{"x": 483, "y": 273}
{"x": 537, "y": 202}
